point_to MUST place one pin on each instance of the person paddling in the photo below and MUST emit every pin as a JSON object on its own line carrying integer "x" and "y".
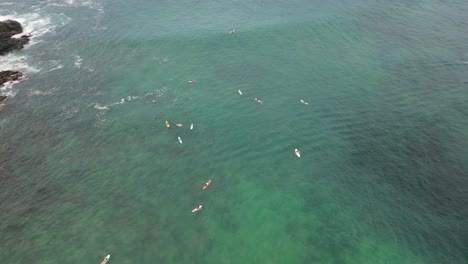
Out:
{"x": 198, "y": 208}
{"x": 207, "y": 184}
{"x": 105, "y": 259}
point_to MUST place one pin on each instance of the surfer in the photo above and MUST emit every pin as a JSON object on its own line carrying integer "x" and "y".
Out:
{"x": 167, "y": 124}
{"x": 258, "y": 100}
{"x": 232, "y": 31}
{"x": 304, "y": 102}
{"x": 198, "y": 208}
{"x": 179, "y": 125}
{"x": 192, "y": 81}
{"x": 105, "y": 259}
{"x": 207, "y": 184}
{"x": 298, "y": 153}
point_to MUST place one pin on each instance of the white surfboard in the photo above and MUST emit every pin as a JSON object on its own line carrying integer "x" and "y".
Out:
{"x": 179, "y": 139}
{"x": 298, "y": 153}
{"x": 105, "y": 259}
{"x": 191, "y": 126}
{"x": 198, "y": 208}
{"x": 240, "y": 92}
{"x": 304, "y": 102}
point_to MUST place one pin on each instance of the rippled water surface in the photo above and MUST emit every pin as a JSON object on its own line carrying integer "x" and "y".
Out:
{"x": 88, "y": 168}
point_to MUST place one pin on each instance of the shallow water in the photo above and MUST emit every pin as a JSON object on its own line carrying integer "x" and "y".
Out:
{"x": 89, "y": 169}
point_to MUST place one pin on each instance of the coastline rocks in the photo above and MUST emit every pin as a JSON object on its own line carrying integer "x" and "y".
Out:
{"x": 9, "y": 76}
{"x": 9, "y": 28}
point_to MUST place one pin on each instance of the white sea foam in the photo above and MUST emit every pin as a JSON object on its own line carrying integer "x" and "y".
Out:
{"x": 56, "y": 65}
{"x": 154, "y": 94}
{"x": 45, "y": 91}
{"x": 101, "y": 120}
{"x": 17, "y": 63}
{"x": 69, "y": 111}
{"x": 12, "y": 61}
{"x": 38, "y": 25}
{"x": 100, "y": 107}
{"x": 38, "y": 93}
{"x": 7, "y": 89}
{"x": 78, "y": 61}
{"x": 79, "y": 3}
{"x": 60, "y": 66}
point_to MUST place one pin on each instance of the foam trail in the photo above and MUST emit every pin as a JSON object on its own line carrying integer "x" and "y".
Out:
{"x": 100, "y": 107}
{"x": 78, "y": 61}
{"x": 157, "y": 93}
{"x": 60, "y": 66}
{"x": 80, "y": 3}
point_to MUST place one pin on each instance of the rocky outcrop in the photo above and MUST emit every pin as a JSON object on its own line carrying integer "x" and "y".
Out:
{"x": 8, "y": 28}
{"x": 9, "y": 76}
{"x": 11, "y": 44}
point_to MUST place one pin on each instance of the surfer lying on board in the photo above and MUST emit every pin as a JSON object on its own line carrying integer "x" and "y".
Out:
{"x": 198, "y": 208}
{"x": 105, "y": 259}
{"x": 206, "y": 184}
{"x": 258, "y": 100}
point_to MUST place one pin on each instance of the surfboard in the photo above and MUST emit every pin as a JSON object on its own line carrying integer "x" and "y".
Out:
{"x": 105, "y": 259}
{"x": 207, "y": 184}
{"x": 298, "y": 153}
{"x": 198, "y": 208}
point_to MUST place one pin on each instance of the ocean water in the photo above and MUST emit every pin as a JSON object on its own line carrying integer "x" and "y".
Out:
{"x": 87, "y": 167}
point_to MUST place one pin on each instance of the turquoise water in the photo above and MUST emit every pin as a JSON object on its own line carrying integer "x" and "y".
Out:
{"x": 89, "y": 169}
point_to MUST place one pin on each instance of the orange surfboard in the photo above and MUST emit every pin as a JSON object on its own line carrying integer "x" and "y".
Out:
{"x": 207, "y": 184}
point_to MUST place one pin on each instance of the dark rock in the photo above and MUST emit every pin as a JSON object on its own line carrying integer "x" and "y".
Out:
{"x": 10, "y": 44}
{"x": 9, "y": 28}
{"x": 8, "y": 76}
